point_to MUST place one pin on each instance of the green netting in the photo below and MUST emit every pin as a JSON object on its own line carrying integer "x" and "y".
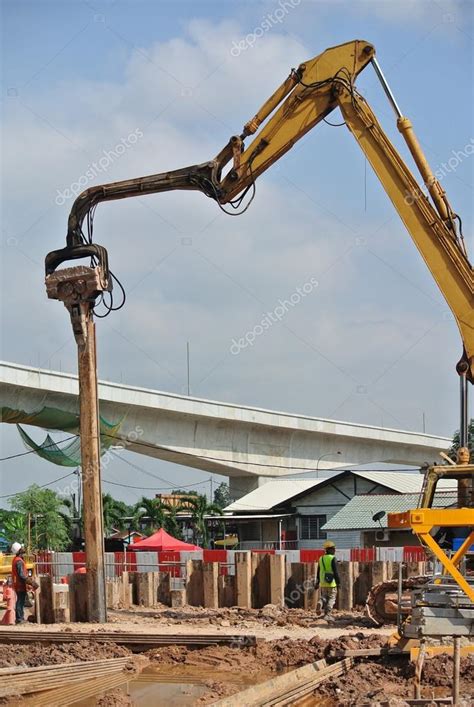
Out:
{"x": 68, "y": 454}
{"x": 47, "y": 418}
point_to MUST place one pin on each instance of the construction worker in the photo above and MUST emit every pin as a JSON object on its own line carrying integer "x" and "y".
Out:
{"x": 20, "y": 577}
{"x": 327, "y": 579}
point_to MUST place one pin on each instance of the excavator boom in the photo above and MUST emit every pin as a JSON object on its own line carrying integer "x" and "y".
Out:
{"x": 305, "y": 98}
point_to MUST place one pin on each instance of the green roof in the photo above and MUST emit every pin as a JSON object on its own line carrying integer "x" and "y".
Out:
{"x": 357, "y": 513}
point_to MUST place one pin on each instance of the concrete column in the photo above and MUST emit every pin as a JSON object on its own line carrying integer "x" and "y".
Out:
{"x": 226, "y": 586}
{"x": 177, "y": 598}
{"x": 310, "y": 594}
{"x": 346, "y": 589}
{"x": 379, "y": 572}
{"x": 46, "y": 599}
{"x": 146, "y": 583}
{"x": 125, "y": 598}
{"x": 194, "y": 583}
{"x": 210, "y": 581}
{"x": 78, "y": 597}
{"x": 363, "y": 582}
{"x": 164, "y": 588}
{"x": 277, "y": 580}
{"x": 260, "y": 579}
{"x": 243, "y": 579}
{"x": 413, "y": 569}
{"x": 294, "y": 590}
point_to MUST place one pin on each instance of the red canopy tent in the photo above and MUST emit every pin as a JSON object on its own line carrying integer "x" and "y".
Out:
{"x": 162, "y": 541}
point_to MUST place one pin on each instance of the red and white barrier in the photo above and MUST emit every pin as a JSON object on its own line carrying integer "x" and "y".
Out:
{"x": 60, "y": 564}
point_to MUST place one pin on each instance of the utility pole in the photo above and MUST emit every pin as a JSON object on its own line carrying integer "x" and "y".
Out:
{"x": 78, "y": 287}
{"x": 92, "y": 492}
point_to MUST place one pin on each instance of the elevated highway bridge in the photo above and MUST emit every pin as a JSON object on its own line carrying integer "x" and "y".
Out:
{"x": 247, "y": 444}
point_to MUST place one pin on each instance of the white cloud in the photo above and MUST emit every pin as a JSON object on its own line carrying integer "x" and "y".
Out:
{"x": 232, "y": 270}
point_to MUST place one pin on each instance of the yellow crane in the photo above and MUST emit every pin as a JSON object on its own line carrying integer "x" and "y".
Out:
{"x": 305, "y": 98}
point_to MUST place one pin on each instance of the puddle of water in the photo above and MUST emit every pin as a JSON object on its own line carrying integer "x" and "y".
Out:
{"x": 179, "y": 686}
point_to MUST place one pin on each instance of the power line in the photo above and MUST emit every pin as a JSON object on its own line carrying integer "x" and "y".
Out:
{"x": 35, "y": 451}
{"x": 50, "y": 483}
{"x": 139, "y": 468}
{"x": 153, "y": 488}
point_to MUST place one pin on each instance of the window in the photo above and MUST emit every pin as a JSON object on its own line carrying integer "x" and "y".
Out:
{"x": 311, "y": 527}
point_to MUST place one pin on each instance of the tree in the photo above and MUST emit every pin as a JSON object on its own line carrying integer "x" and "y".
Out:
{"x": 222, "y": 495}
{"x": 42, "y": 513}
{"x": 14, "y": 527}
{"x": 114, "y": 513}
{"x": 470, "y": 443}
{"x": 152, "y": 510}
{"x": 200, "y": 507}
{"x": 172, "y": 525}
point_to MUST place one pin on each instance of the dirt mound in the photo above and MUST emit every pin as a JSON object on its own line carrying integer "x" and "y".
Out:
{"x": 355, "y": 642}
{"x": 278, "y": 655}
{"x": 217, "y": 690}
{"x": 114, "y": 698}
{"x": 39, "y": 654}
{"x": 438, "y": 671}
{"x": 273, "y": 656}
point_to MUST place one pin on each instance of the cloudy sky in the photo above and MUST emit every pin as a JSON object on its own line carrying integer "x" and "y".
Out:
{"x": 372, "y": 342}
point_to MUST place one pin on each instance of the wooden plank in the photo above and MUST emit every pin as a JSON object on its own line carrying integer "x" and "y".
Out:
{"x": 121, "y": 638}
{"x": 68, "y": 695}
{"x": 20, "y": 680}
{"x": 364, "y": 652}
{"x": 284, "y": 689}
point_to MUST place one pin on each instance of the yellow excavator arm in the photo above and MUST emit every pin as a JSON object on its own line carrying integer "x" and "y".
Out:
{"x": 325, "y": 83}
{"x": 305, "y": 98}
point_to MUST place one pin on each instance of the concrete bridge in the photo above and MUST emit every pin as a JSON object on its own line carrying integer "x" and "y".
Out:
{"x": 247, "y": 444}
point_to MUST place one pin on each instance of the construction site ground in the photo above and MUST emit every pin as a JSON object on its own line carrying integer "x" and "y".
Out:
{"x": 288, "y": 639}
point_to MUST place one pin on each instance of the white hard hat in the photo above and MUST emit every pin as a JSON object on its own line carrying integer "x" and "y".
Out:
{"x": 16, "y": 547}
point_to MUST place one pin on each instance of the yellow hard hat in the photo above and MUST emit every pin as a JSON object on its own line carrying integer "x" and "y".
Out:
{"x": 328, "y": 543}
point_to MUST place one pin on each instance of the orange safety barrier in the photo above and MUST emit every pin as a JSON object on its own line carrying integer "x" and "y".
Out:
{"x": 9, "y": 595}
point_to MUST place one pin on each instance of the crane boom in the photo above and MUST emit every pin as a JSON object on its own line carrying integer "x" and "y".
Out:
{"x": 305, "y": 98}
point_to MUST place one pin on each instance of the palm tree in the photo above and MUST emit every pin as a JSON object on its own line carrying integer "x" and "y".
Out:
{"x": 200, "y": 507}
{"x": 114, "y": 513}
{"x": 152, "y": 511}
{"x": 172, "y": 525}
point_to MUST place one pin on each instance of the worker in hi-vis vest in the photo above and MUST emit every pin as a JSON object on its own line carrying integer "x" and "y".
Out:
{"x": 327, "y": 579}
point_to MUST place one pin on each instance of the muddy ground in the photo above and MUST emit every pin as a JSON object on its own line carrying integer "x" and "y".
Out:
{"x": 292, "y": 638}
{"x": 37, "y": 654}
{"x": 370, "y": 681}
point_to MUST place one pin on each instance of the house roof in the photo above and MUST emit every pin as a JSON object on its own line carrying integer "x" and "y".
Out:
{"x": 273, "y": 493}
{"x": 277, "y": 491}
{"x": 357, "y": 513}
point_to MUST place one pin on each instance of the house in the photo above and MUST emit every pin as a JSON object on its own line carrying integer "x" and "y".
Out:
{"x": 295, "y": 513}
{"x": 127, "y": 537}
{"x": 353, "y": 525}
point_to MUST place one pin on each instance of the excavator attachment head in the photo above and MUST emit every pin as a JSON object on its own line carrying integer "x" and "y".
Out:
{"x": 78, "y": 287}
